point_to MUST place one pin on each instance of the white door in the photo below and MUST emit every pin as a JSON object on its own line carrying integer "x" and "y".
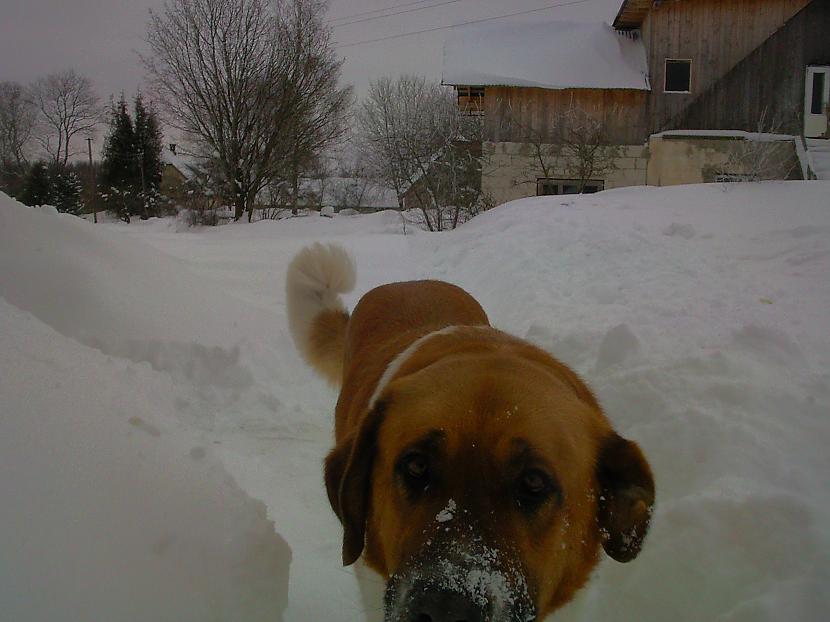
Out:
{"x": 816, "y": 99}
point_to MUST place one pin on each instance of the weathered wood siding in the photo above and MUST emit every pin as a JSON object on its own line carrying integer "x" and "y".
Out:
{"x": 715, "y": 34}
{"x": 770, "y": 81}
{"x": 511, "y": 114}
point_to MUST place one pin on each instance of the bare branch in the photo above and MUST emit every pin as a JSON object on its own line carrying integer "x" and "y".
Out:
{"x": 67, "y": 106}
{"x": 253, "y": 84}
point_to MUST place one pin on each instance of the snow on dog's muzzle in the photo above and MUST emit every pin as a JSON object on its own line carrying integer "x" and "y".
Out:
{"x": 458, "y": 577}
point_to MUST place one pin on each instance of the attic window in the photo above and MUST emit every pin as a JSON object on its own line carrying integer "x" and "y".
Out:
{"x": 471, "y": 100}
{"x": 678, "y": 76}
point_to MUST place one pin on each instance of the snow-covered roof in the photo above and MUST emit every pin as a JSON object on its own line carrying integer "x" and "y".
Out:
{"x": 548, "y": 55}
{"x": 186, "y": 165}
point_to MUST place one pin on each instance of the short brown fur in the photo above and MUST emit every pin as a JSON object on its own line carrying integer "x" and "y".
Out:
{"x": 326, "y": 343}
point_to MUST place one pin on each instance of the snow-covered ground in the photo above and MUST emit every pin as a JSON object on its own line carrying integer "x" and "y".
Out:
{"x": 161, "y": 442}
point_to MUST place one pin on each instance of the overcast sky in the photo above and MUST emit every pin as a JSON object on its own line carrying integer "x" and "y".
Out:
{"x": 102, "y": 38}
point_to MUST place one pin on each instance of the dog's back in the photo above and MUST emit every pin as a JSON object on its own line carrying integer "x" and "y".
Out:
{"x": 330, "y": 340}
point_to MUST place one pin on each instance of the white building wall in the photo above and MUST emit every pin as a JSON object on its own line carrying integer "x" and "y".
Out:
{"x": 510, "y": 171}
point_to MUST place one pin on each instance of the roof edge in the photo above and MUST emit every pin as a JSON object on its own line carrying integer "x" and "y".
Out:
{"x": 626, "y": 23}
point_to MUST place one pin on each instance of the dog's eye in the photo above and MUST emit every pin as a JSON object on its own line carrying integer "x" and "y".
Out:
{"x": 534, "y": 488}
{"x": 534, "y": 482}
{"x": 414, "y": 472}
{"x": 416, "y": 466}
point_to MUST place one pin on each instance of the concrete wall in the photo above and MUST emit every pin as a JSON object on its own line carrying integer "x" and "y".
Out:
{"x": 510, "y": 171}
{"x": 678, "y": 159}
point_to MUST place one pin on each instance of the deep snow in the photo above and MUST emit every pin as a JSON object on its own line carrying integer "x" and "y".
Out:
{"x": 139, "y": 366}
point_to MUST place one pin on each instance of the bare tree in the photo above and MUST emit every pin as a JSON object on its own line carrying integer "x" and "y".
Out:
{"x": 578, "y": 148}
{"x": 242, "y": 79}
{"x": 67, "y": 106}
{"x": 764, "y": 154}
{"x": 414, "y": 138}
{"x": 17, "y": 123}
{"x": 380, "y": 119}
{"x": 353, "y": 189}
{"x": 323, "y": 106}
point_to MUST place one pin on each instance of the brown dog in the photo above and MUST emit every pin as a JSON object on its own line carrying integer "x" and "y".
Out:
{"x": 471, "y": 469}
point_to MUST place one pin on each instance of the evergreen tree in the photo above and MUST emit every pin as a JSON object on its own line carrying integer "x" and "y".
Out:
{"x": 120, "y": 175}
{"x": 148, "y": 140}
{"x": 66, "y": 191}
{"x": 37, "y": 189}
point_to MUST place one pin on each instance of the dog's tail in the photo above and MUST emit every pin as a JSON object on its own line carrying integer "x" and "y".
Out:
{"x": 317, "y": 316}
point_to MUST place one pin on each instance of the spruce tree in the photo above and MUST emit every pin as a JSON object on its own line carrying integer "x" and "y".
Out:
{"x": 37, "y": 189}
{"x": 66, "y": 191}
{"x": 120, "y": 176}
{"x": 148, "y": 140}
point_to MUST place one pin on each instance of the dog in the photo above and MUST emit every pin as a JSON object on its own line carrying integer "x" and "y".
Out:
{"x": 471, "y": 469}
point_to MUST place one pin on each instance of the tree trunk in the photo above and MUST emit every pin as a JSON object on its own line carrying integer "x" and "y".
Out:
{"x": 295, "y": 188}
{"x": 238, "y": 206}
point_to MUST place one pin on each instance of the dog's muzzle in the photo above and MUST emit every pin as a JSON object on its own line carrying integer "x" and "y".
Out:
{"x": 458, "y": 577}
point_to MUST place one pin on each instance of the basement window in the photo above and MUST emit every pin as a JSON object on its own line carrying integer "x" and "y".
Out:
{"x": 546, "y": 186}
{"x": 678, "y": 76}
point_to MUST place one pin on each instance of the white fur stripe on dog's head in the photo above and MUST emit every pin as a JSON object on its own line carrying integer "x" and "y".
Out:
{"x": 395, "y": 365}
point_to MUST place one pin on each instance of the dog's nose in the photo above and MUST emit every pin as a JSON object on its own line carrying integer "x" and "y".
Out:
{"x": 445, "y": 606}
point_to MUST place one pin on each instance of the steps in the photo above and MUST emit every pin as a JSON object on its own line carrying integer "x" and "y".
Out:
{"x": 818, "y": 150}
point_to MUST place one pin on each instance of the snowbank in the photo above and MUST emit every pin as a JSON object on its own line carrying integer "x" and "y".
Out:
{"x": 137, "y": 364}
{"x": 109, "y": 508}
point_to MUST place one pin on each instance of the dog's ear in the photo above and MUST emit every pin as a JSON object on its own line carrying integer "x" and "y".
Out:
{"x": 348, "y": 473}
{"x": 626, "y": 501}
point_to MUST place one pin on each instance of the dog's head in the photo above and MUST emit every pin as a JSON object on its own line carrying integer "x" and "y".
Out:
{"x": 482, "y": 487}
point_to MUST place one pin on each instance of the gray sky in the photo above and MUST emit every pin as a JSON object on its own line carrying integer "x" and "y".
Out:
{"x": 101, "y": 38}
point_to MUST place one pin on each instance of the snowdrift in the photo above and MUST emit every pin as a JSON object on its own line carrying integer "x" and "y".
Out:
{"x": 139, "y": 367}
{"x": 109, "y": 509}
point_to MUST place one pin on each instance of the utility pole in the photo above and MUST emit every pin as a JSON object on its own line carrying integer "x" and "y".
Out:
{"x": 144, "y": 215}
{"x": 92, "y": 182}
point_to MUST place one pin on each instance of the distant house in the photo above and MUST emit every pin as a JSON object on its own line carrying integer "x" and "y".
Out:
{"x": 347, "y": 193}
{"x": 337, "y": 193}
{"x": 177, "y": 170}
{"x": 679, "y": 86}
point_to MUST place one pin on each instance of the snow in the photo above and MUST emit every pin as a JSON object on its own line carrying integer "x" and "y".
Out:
{"x": 185, "y": 164}
{"x": 764, "y": 137}
{"x": 161, "y": 442}
{"x": 545, "y": 54}
{"x": 448, "y": 513}
{"x": 819, "y": 154}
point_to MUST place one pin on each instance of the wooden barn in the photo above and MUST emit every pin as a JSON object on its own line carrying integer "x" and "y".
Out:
{"x": 675, "y": 90}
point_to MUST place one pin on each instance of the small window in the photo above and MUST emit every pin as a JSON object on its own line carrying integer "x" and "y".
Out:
{"x": 678, "y": 76}
{"x": 471, "y": 100}
{"x": 818, "y": 92}
{"x": 547, "y": 187}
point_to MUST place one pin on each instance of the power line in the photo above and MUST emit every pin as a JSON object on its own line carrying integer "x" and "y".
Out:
{"x": 389, "y": 8}
{"x": 420, "y": 8}
{"x": 474, "y": 21}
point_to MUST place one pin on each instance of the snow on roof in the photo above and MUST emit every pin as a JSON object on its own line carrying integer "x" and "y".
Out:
{"x": 548, "y": 55}
{"x": 186, "y": 165}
